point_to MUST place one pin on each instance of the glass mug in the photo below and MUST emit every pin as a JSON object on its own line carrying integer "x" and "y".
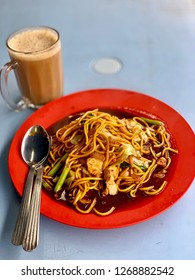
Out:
{"x": 36, "y": 59}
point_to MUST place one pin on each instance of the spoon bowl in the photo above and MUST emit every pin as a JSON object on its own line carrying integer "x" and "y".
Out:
{"x": 35, "y": 145}
{"x": 34, "y": 149}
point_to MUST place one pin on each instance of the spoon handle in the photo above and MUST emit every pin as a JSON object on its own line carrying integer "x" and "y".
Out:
{"x": 31, "y": 236}
{"x": 20, "y": 225}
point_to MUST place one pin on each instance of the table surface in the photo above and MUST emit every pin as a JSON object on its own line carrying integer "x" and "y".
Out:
{"x": 154, "y": 40}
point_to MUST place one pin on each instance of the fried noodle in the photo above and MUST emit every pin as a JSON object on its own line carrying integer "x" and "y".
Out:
{"x": 98, "y": 155}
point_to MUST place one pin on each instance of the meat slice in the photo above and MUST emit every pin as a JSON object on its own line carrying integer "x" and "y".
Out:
{"x": 94, "y": 166}
{"x": 110, "y": 175}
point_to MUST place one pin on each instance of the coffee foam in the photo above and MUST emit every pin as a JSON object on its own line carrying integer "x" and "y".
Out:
{"x": 33, "y": 42}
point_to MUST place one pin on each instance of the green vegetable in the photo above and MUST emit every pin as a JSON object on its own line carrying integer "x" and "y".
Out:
{"x": 58, "y": 165}
{"x": 151, "y": 121}
{"x": 70, "y": 178}
{"x": 142, "y": 167}
{"x": 61, "y": 179}
{"x": 46, "y": 185}
{"x": 76, "y": 139}
{"x": 125, "y": 164}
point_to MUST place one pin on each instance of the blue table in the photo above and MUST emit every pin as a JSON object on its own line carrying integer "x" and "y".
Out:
{"x": 154, "y": 41}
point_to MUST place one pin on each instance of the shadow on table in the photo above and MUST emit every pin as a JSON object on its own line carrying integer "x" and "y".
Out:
{"x": 10, "y": 207}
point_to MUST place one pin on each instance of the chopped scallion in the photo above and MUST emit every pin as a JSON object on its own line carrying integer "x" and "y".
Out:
{"x": 151, "y": 121}
{"x": 57, "y": 166}
{"x": 61, "y": 179}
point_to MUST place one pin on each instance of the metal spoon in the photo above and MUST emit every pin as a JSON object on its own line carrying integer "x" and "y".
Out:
{"x": 35, "y": 148}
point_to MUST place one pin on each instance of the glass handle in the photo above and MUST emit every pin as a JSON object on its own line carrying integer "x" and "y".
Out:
{"x": 4, "y": 73}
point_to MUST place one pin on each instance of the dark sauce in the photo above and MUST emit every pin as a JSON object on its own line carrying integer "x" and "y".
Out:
{"x": 122, "y": 201}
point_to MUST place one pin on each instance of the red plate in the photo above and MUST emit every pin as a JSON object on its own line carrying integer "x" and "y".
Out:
{"x": 180, "y": 177}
